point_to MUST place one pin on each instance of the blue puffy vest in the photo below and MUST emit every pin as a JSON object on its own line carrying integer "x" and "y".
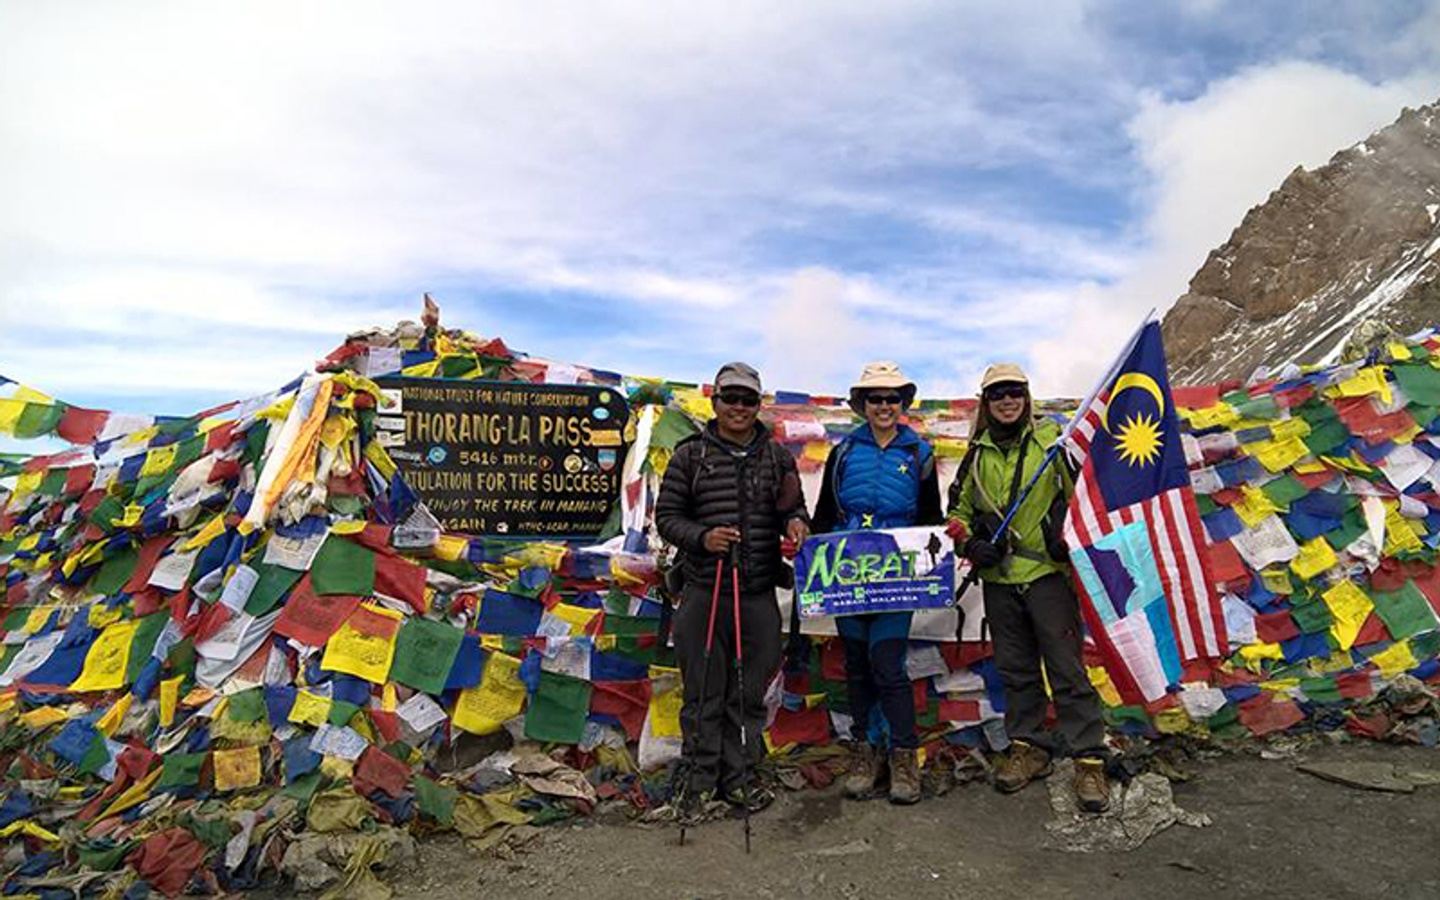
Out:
{"x": 878, "y": 488}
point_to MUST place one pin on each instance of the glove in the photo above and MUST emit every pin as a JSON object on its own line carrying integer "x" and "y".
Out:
{"x": 1057, "y": 548}
{"x": 788, "y": 548}
{"x": 957, "y": 531}
{"x": 983, "y": 553}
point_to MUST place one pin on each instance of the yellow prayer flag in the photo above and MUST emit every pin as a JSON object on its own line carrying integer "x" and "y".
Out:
{"x": 666, "y": 697}
{"x": 365, "y": 645}
{"x": 1315, "y": 557}
{"x": 1260, "y": 650}
{"x": 1400, "y": 534}
{"x": 1369, "y": 380}
{"x": 1104, "y": 686}
{"x": 31, "y": 829}
{"x": 213, "y": 529}
{"x": 336, "y": 768}
{"x": 1222, "y": 414}
{"x": 133, "y": 796}
{"x": 451, "y": 547}
{"x": 1174, "y": 720}
{"x": 43, "y": 717}
{"x": 105, "y": 663}
{"x": 388, "y": 699}
{"x": 1398, "y": 350}
{"x": 336, "y": 430}
{"x": 499, "y": 697}
{"x": 310, "y": 709}
{"x": 159, "y": 460}
{"x": 1277, "y": 581}
{"x": 109, "y": 723}
{"x": 1286, "y": 429}
{"x": 1253, "y": 506}
{"x": 1279, "y": 455}
{"x": 1395, "y": 659}
{"x": 236, "y": 769}
{"x": 100, "y": 615}
{"x": 577, "y": 617}
{"x": 381, "y": 459}
{"x": 37, "y": 618}
{"x": 27, "y": 483}
{"x": 169, "y": 699}
{"x": 10, "y": 410}
{"x": 1349, "y": 607}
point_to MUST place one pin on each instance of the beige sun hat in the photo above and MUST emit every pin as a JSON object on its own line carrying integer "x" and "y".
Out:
{"x": 882, "y": 374}
{"x": 1001, "y": 373}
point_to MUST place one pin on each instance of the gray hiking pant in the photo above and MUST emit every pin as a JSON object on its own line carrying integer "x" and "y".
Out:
{"x": 1034, "y": 622}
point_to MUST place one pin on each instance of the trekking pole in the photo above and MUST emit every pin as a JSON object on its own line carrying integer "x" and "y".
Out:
{"x": 740, "y": 689}
{"x": 704, "y": 687}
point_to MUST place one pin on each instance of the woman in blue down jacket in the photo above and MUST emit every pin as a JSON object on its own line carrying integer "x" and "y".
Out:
{"x": 882, "y": 475}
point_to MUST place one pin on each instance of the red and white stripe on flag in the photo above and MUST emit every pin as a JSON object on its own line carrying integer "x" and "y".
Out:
{"x": 1178, "y": 541}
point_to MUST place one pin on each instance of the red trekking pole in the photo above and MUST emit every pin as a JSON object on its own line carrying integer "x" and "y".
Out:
{"x": 740, "y": 689}
{"x": 704, "y": 686}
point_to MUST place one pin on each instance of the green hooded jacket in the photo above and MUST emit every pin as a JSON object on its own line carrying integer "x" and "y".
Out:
{"x": 986, "y": 489}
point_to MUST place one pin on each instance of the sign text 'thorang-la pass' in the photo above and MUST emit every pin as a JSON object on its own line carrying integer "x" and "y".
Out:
{"x": 504, "y": 458}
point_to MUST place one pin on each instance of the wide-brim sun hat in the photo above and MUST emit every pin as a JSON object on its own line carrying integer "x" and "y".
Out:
{"x": 1003, "y": 373}
{"x": 880, "y": 375}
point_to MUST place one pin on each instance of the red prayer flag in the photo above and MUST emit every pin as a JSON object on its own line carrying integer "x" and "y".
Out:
{"x": 311, "y": 618}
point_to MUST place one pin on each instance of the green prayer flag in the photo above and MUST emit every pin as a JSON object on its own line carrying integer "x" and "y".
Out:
{"x": 53, "y": 483}
{"x": 557, "y": 711}
{"x": 272, "y": 584}
{"x": 1421, "y": 383}
{"x": 436, "y": 800}
{"x": 629, "y": 626}
{"x": 102, "y": 855}
{"x": 1321, "y": 690}
{"x": 1311, "y": 615}
{"x": 189, "y": 450}
{"x": 255, "y": 437}
{"x": 1351, "y": 527}
{"x": 1325, "y": 438}
{"x": 106, "y": 512}
{"x": 1405, "y": 612}
{"x": 303, "y": 788}
{"x": 343, "y": 567}
{"x": 97, "y": 755}
{"x": 341, "y": 712}
{"x": 143, "y": 644}
{"x": 458, "y": 366}
{"x": 1284, "y": 490}
{"x": 38, "y": 419}
{"x": 181, "y": 770}
{"x": 115, "y": 571}
{"x": 247, "y": 706}
{"x": 424, "y": 652}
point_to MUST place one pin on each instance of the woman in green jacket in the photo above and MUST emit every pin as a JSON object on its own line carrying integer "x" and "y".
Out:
{"x": 1030, "y": 606}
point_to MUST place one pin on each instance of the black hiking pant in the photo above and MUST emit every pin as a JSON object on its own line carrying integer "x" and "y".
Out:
{"x": 710, "y": 729}
{"x": 1034, "y": 622}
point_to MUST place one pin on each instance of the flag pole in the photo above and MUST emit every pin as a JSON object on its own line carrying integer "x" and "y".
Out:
{"x": 973, "y": 575}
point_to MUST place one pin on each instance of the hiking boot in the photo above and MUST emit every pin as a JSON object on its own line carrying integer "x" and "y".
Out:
{"x": 904, "y": 777}
{"x": 1022, "y": 765}
{"x": 866, "y": 768}
{"x": 1092, "y": 788}
{"x": 694, "y": 807}
{"x": 757, "y": 797}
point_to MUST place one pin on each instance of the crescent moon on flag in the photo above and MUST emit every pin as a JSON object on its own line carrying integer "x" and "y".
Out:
{"x": 1138, "y": 380}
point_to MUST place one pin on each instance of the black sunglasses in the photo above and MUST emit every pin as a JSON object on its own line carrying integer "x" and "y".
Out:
{"x": 1006, "y": 391}
{"x": 738, "y": 398}
{"x": 878, "y": 399}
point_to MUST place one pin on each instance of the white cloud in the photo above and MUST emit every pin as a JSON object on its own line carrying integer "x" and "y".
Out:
{"x": 1210, "y": 159}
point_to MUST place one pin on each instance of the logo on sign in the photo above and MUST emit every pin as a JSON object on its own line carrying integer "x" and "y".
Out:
{"x": 436, "y": 456}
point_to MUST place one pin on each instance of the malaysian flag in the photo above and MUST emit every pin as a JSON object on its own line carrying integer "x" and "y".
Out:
{"x": 1134, "y": 531}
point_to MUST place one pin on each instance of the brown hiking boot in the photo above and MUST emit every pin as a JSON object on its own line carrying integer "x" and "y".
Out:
{"x": 865, "y": 772}
{"x": 904, "y": 777}
{"x": 1022, "y": 765}
{"x": 1092, "y": 788}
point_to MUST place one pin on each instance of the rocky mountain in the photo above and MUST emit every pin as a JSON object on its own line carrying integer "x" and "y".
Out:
{"x": 1356, "y": 240}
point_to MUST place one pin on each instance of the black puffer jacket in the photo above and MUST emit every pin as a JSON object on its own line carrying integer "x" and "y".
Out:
{"x": 712, "y": 482}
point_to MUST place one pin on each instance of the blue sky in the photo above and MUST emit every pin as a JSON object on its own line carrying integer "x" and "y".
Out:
{"x": 195, "y": 203}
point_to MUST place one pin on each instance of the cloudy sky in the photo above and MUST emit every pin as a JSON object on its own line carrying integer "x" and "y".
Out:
{"x": 197, "y": 200}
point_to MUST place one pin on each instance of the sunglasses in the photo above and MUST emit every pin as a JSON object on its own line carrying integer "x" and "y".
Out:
{"x": 884, "y": 399}
{"x": 738, "y": 398}
{"x": 1006, "y": 392}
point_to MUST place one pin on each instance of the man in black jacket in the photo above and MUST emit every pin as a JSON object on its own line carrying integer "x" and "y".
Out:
{"x": 730, "y": 487}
